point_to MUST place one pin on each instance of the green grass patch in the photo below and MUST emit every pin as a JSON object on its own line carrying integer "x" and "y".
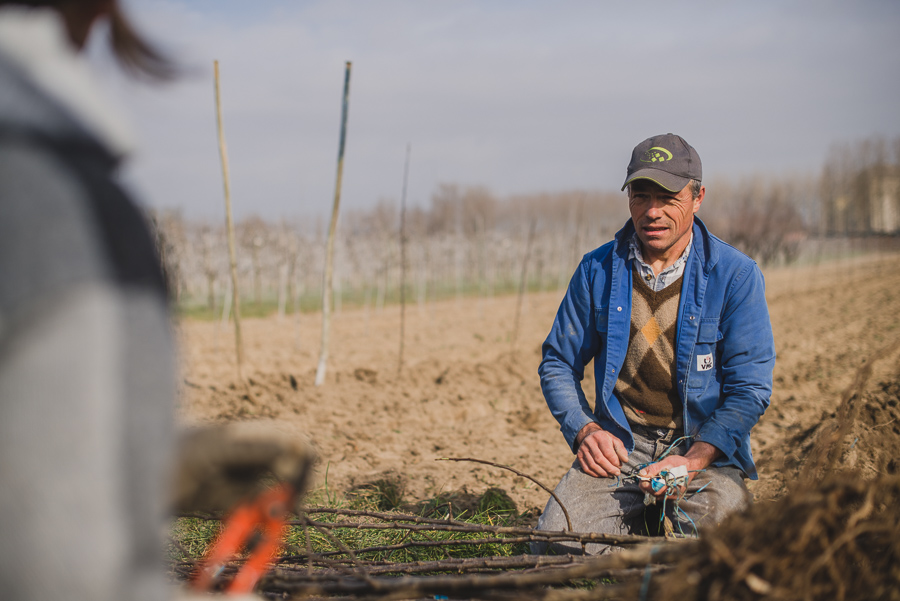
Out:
{"x": 195, "y": 307}
{"x": 191, "y": 537}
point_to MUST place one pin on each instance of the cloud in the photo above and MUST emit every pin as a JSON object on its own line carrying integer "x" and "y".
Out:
{"x": 518, "y": 96}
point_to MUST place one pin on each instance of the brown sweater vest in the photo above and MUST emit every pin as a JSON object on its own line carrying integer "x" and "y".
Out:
{"x": 646, "y": 385}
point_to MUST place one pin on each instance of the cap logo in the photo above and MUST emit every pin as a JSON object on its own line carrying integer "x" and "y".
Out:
{"x": 657, "y": 154}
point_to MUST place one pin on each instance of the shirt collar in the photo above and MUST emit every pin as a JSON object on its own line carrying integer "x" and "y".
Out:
{"x": 634, "y": 252}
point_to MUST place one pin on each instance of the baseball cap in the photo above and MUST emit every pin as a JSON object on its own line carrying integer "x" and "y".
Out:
{"x": 666, "y": 160}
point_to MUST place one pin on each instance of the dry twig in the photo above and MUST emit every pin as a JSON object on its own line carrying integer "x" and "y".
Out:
{"x": 518, "y": 473}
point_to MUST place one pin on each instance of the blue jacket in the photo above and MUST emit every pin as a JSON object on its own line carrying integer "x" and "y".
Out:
{"x": 722, "y": 315}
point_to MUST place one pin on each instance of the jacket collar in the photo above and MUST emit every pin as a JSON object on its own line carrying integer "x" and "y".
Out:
{"x": 701, "y": 249}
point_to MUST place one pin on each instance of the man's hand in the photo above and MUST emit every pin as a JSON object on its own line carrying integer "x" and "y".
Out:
{"x": 600, "y": 453}
{"x": 698, "y": 457}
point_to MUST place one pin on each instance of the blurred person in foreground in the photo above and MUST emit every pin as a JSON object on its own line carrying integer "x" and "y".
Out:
{"x": 87, "y": 361}
{"x": 677, "y": 325}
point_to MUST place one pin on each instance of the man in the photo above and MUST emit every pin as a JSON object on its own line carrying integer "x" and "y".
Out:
{"x": 677, "y": 325}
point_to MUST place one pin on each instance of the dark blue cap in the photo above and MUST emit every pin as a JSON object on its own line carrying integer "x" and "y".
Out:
{"x": 666, "y": 160}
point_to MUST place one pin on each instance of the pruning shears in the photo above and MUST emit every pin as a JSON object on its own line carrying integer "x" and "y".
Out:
{"x": 255, "y": 525}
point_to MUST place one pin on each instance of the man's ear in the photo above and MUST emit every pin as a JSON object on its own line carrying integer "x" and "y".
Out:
{"x": 699, "y": 200}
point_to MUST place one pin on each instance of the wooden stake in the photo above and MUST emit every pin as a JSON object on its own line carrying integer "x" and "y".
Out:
{"x": 329, "y": 248}
{"x": 403, "y": 258}
{"x": 229, "y": 225}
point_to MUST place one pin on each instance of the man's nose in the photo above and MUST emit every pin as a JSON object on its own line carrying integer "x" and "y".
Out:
{"x": 654, "y": 208}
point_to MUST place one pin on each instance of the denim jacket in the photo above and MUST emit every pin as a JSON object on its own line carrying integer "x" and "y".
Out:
{"x": 724, "y": 351}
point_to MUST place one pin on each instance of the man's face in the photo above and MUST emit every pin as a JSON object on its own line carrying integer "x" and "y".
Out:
{"x": 661, "y": 218}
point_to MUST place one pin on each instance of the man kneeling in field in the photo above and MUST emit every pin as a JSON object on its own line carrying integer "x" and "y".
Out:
{"x": 677, "y": 325}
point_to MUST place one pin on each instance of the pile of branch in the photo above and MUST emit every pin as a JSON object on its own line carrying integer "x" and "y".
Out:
{"x": 345, "y": 572}
{"x": 475, "y": 578}
{"x": 837, "y": 540}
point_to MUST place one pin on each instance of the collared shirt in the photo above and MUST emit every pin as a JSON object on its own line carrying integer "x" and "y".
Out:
{"x": 666, "y": 276}
{"x": 724, "y": 359}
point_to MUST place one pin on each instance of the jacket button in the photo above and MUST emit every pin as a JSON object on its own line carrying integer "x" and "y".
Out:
{"x": 620, "y": 308}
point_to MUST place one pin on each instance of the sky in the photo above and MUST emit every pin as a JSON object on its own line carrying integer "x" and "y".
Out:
{"x": 519, "y": 96}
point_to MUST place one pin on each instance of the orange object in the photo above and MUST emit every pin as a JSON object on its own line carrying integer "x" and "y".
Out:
{"x": 256, "y": 525}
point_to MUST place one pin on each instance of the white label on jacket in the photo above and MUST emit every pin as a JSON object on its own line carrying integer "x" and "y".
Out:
{"x": 704, "y": 362}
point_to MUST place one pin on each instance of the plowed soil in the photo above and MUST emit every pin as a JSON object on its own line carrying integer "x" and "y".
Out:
{"x": 465, "y": 390}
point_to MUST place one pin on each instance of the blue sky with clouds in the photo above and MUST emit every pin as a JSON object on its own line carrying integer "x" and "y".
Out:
{"x": 519, "y": 96}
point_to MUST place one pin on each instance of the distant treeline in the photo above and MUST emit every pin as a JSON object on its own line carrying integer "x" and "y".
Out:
{"x": 470, "y": 241}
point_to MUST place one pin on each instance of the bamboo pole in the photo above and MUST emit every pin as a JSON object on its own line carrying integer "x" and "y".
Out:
{"x": 329, "y": 248}
{"x": 229, "y": 225}
{"x": 403, "y": 258}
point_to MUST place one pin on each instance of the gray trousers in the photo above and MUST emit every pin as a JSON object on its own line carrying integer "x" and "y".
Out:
{"x": 606, "y": 506}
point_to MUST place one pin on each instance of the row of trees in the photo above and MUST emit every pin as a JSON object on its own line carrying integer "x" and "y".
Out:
{"x": 860, "y": 188}
{"x": 468, "y": 241}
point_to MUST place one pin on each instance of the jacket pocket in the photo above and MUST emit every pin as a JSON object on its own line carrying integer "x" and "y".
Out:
{"x": 601, "y": 318}
{"x": 705, "y": 359}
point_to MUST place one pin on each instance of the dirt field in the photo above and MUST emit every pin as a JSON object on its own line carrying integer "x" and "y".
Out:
{"x": 466, "y": 392}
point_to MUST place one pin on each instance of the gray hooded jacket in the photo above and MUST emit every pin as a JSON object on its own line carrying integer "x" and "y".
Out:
{"x": 86, "y": 362}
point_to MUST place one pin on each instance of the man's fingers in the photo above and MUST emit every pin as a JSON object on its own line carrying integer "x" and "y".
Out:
{"x": 597, "y": 465}
{"x": 611, "y": 448}
{"x": 598, "y": 459}
{"x": 655, "y": 469}
{"x": 589, "y": 466}
{"x": 608, "y": 448}
{"x": 589, "y": 463}
{"x": 601, "y": 454}
{"x": 620, "y": 449}
{"x": 652, "y": 470}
